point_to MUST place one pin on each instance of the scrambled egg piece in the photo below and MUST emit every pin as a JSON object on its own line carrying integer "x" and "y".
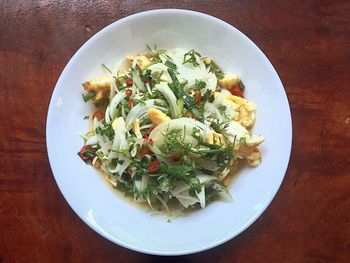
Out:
{"x": 247, "y": 111}
{"x": 207, "y": 61}
{"x": 249, "y": 150}
{"x": 215, "y": 138}
{"x": 236, "y": 99}
{"x": 115, "y": 123}
{"x": 101, "y": 87}
{"x": 247, "y": 115}
{"x": 136, "y": 128}
{"x": 142, "y": 61}
{"x": 246, "y": 146}
{"x": 156, "y": 116}
{"x": 228, "y": 81}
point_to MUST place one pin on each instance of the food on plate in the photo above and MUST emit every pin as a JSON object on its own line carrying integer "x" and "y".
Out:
{"x": 169, "y": 127}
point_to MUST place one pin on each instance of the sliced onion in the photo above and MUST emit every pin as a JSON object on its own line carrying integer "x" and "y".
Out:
{"x": 211, "y": 81}
{"x": 138, "y": 82}
{"x": 211, "y": 111}
{"x": 170, "y": 97}
{"x": 157, "y": 134}
{"x": 234, "y": 129}
{"x": 107, "y": 116}
{"x": 139, "y": 110}
{"x": 92, "y": 140}
{"x": 188, "y": 72}
{"x": 159, "y": 67}
{"x": 201, "y": 196}
{"x": 119, "y": 141}
{"x": 114, "y": 103}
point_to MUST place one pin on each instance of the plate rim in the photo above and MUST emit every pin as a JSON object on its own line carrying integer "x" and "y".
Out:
{"x": 251, "y": 219}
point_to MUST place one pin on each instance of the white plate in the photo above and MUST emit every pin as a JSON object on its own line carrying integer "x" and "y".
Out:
{"x": 114, "y": 218}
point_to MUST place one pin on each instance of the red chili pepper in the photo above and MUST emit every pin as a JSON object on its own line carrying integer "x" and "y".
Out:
{"x": 199, "y": 97}
{"x": 147, "y": 138}
{"x": 153, "y": 167}
{"x": 144, "y": 151}
{"x": 128, "y": 82}
{"x": 98, "y": 115}
{"x": 83, "y": 150}
{"x": 235, "y": 90}
{"x": 128, "y": 92}
{"x": 174, "y": 158}
{"x": 130, "y": 104}
{"x": 148, "y": 131}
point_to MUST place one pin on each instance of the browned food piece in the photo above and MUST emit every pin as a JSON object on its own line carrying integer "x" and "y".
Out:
{"x": 142, "y": 61}
{"x": 101, "y": 87}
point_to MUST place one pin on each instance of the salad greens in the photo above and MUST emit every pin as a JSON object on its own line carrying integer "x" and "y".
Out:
{"x": 171, "y": 130}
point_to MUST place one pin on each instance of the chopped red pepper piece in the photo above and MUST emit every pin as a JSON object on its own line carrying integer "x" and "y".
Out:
{"x": 98, "y": 115}
{"x": 130, "y": 104}
{"x": 153, "y": 167}
{"x": 235, "y": 90}
{"x": 174, "y": 158}
{"x": 84, "y": 150}
{"x": 147, "y": 138}
{"x": 128, "y": 92}
{"x": 199, "y": 97}
{"x": 128, "y": 82}
{"x": 144, "y": 151}
{"x": 148, "y": 131}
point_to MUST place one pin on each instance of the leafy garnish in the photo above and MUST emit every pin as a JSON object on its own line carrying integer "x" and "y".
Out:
{"x": 213, "y": 67}
{"x": 170, "y": 65}
{"x": 190, "y": 103}
{"x": 218, "y": 126}
{"x": 107, "y": 68}
{"x": 88, "y": 96}
{"x": 155, "y": 53}
{"x": 241, "y": 85}
{"x": 190, "y": 57}
{"x": 199, "y": 84}
{"x": 105, "y": 129}
{"x": 151, "y": 78}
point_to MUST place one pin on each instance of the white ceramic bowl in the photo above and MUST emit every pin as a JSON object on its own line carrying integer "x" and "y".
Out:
{"x": 112, "y": 217}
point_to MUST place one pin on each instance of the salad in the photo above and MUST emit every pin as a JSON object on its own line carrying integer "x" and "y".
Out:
{"x": 168, "y": 128}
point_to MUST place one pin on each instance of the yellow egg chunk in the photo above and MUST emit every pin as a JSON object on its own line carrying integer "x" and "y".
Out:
{"x": 216, "y": 138}
{"x": 248, "y": 149}
{"x": 238, "y": 100}
{"x": 156, "y": 116}
{"x": 142, "y": 61}
{"x": 247, "y": 111}
{"x": 114, "y": 123}
{"x": 136, "y": 128}
{"x": 247, "y": 115}
{"x": 101, "y": 87}
{"x": 228, "y": 81}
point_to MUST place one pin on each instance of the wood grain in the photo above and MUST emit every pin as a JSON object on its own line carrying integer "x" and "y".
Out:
{"x": 308, "y": 42}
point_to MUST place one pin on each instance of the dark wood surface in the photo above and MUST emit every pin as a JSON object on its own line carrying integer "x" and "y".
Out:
{"x": 308, "y": 42}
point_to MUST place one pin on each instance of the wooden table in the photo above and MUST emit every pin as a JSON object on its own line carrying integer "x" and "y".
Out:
{"x": 308, "y": 42}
